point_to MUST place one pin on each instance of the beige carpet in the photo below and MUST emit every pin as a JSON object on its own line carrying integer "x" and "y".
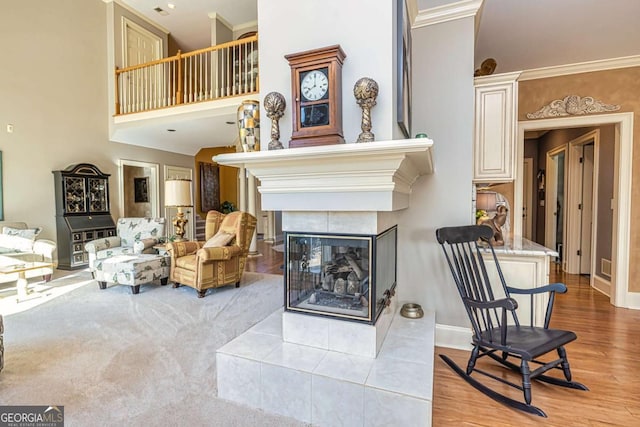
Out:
{"x": 117, "y": 359}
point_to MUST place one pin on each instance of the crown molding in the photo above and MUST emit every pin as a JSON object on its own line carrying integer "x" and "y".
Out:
{"x": 216, "y": 17}
{"x": 447, "y": 12}
{"x": 250, "y": 24}
{"x": 581, "y": 67}
{"x": 412, "y": 9}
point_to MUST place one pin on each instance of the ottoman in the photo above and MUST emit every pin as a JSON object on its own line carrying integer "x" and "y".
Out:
{"x": 133, "y": 270}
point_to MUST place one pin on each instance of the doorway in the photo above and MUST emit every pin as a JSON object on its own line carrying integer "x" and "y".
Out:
{"x": 139, "y": 189}
{"x": 555, "y": 206}
{"x": 527, "y": 207}
{"x": 583, "y": 200}
{"x": 621, "y": 204}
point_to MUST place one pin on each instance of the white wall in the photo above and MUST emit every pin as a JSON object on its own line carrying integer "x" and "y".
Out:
{"x": 363, "y": 28}
{"x": 443, "y": 102}
{"x": 53, "y": 89}
{"x": 442, "y": 106}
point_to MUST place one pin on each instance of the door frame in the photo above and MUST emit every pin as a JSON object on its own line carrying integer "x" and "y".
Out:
{"x": 574, "y": 193}
{"x": 528, "y": 197}
{"x": 154, "y": 184}
{"x": 623, "y": 159}
{"x": 551, "y": 194}
{"x": 126, "y": 24}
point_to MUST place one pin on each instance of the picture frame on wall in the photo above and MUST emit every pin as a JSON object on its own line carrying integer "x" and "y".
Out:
{"x": 209, "y": 187}
{"x": 141, "y": 189}
{"x": 403, "y": 78}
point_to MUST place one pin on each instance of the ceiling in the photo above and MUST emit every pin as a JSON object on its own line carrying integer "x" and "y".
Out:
{"x": 518, "y": 34}
{"x": 190, "y": 23}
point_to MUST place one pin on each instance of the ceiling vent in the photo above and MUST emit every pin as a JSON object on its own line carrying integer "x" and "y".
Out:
{"x": 161, "y": 11}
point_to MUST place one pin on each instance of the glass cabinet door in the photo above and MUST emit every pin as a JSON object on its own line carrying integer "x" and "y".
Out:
{"x": 98, "y": 195}
{"x": 74, "y": 195}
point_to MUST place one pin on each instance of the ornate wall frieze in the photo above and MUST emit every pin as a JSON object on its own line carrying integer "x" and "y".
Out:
{"x": 572, "y": 105}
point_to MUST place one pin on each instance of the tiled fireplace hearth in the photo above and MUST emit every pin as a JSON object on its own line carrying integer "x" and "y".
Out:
{"x": 340, "y": 354}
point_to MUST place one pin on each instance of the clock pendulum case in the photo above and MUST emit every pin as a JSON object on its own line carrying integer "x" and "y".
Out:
{"x": 316, "y": 88}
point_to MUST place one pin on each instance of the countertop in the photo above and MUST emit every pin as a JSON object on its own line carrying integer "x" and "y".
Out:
{"x": 520, "y": 246}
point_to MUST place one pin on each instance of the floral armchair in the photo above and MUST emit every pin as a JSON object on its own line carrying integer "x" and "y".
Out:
{"x": 220, "y": 260}
{"x": 134, "y": 236}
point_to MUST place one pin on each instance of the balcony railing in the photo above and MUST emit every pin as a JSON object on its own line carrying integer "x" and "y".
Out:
{"x": 216, "y": 72}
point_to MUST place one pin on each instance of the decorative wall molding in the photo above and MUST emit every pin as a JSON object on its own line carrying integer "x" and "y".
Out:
{"x": 581, "y": 67}
{"x": 447, "y": 12}
{"x": 572, "y": 105}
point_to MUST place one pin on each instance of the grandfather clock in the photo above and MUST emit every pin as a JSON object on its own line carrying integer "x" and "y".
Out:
{"x": 316, "y": 88}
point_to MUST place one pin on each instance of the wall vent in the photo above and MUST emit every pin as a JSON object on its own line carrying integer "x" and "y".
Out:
{"x": 161, "y": 11}
{"x": 605, "y": 267}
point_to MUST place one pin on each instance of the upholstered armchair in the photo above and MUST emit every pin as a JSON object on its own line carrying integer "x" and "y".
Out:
{"x": 220, "y": 260}
{"x": 133, "y": 236}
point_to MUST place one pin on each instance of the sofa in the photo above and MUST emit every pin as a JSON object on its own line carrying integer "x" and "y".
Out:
{"x": 20, "y": 244}
{"x": 133, "y": 236}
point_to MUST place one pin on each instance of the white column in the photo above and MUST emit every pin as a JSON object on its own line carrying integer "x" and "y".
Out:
{"x": 251, "y": 202}
{"x": 270, "y": 233}
{"x": 242, "y": 189}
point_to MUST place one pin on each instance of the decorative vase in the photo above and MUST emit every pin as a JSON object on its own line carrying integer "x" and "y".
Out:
{"x": 249, "y": 125}
{"x": 274, "y": 105}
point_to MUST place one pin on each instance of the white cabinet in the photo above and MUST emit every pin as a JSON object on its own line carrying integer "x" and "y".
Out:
{"x": 523, "y": 271}
{"x": 495, "y": 130}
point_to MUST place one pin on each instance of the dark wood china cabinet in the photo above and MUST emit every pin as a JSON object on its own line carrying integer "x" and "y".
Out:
{"x": 82, "y": 212}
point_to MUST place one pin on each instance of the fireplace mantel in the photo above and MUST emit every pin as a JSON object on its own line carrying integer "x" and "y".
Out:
{"x": 373, "y": 176}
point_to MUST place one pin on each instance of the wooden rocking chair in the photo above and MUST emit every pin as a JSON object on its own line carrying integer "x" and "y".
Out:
{"x": 492, "y": 335}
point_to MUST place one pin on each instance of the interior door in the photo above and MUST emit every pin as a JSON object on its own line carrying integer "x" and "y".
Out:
{"x": 586, "y": 210}
{"x": 140, "y": 46}
{"x": 527, "y": 202}
{"x": 554, "y": 203}
{"x": 178, "y": 172}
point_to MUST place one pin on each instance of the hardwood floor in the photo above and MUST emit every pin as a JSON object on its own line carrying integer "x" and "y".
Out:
{"x": 269, "y": 261}
{"x": 605, "y": 358}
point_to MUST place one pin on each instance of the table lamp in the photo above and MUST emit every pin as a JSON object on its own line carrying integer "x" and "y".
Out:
{"x": 177, "y": 194}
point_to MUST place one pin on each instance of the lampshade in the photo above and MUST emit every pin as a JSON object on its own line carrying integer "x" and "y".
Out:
{"x": 177, "y": 192}
{"x": 486, "y": 201}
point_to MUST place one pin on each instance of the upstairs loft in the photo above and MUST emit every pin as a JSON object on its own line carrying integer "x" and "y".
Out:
{"x": 188, "y": 101}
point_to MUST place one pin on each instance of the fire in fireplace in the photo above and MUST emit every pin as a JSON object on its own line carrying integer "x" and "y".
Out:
{"x": 343, "y": 276}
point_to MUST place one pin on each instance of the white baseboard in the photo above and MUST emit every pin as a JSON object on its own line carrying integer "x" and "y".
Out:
{"x": 453, "y": 337}
{"x": 602, "y": 285}
{"x": 633, "y": 301}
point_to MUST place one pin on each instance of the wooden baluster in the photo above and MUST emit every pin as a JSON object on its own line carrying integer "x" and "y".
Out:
{"x": 117, "y": 111}
{"x": 179, "y": 91}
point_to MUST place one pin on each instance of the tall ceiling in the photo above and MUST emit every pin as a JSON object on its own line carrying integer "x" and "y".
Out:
{"x": 529, "y": 34}
{"x": 190, "y": 22}
{"x": 518, "y": 34}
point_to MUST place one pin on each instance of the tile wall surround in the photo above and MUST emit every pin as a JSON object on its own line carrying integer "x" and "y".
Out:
{"x": 327, "y": 387}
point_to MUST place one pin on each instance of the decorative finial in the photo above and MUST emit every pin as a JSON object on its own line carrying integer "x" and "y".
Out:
{"x": 274, "y": 105}
{"x": 365, "y": 91}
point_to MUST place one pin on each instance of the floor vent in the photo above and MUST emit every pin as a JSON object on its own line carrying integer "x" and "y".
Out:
{"x": 605, "y": 267}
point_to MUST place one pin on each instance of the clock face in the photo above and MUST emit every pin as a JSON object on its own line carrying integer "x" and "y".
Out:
{"x": 314, "y": 85}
